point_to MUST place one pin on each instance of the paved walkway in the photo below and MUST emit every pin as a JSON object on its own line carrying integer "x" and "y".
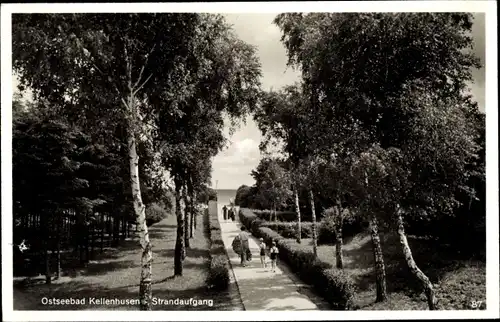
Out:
{"x": 261, "y": 289}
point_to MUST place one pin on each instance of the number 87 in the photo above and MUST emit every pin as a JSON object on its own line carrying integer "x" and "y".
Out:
{"x": 476, "y": 304}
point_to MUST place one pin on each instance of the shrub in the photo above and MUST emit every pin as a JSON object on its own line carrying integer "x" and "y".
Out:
{"x": 289, "y": 229}
{"x": 352, "y": 225}
{"x": 155, "y": 213}
{"x": 283, "y": 216}
{"x": 306, "y": 229}
{"x": 326, "y": 231}
{"x": 218, "y": 275}
{"x": 334, "y": 285}
{"x": 337, "y": 287}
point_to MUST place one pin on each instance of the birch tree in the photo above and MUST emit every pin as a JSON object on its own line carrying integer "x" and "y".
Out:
{"x": 221, "y": 79}
{"x": 283, "y": 117}
{"x": 126, "y": 57}
{"x": 365, "y": 66}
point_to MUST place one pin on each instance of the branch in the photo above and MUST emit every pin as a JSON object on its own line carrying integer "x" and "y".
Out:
{"x": 129, "y": 66}
{"x": 111, "y": 81}
{"x": 142, "y": 69}
{"x": 142, "y": 85}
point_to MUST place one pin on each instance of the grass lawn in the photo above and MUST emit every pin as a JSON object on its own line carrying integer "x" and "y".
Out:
{"x": 459, "y": 281}
{"x": 115, "y": 275}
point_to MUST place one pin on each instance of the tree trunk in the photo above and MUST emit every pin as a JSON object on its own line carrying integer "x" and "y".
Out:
{"x": 81, "y": 233}
{"x": 186, "y": 218}
{"x": 48, "y": 274}
{"x": 313, "y": 225}
{"x": 191, "y": 208}
{"x": 115, "y": 230}
{"x": 87, "y": 238}
{"x": 338, "y": 248}
{"x": 179, "y": 243}
{"x": 195, "y": 219}
{"x": 297, "y": 210}
{"x": 46, "y": 228}
{"x": 92, "y": 240}
{"x": 426, "y": 283}
{"x": 102, "y": 232}
{"x": 145, "y": 292}
{"x": 379, "y": 261}
{"x": 108, "y": 228}
{"x": 123, "y": 227}
{"x": 58, "y": 248}
{"x": 338, "y": 238}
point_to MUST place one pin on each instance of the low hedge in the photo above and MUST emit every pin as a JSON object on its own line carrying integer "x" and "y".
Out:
{"x": 289, "y": 229}
{"x": 284, "y": 216}
{"x": 218, "y": 275}
{"x": 325, "y": 228}
{"x": 334, "y": 285}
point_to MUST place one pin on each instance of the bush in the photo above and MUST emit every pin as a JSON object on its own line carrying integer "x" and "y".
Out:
{"x": 326, "y": 231}
{"x": 218, "y": 275}
{"x": 155, "y": 213}
{"x": 352, "y": 225}
{"x": 289, "y": 229}
{"x": 282, "y": 216}
{"x": 334, "y": 285}
{"x": 337, "y": 287}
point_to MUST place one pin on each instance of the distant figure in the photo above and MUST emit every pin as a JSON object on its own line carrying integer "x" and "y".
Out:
{"x": 224, "y": 211}
{"x": 262, "y": 247}
{"x": 243, "y": 237}
{"x": 274, "y": 256}
{"x": 231, "y": 214}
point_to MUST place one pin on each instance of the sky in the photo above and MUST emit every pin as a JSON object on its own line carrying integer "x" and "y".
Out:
{"x": 232, "y": 166}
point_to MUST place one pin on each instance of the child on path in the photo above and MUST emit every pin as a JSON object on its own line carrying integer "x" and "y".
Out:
{"x": 274, "y": 256}
{"x": 262, "y": 247}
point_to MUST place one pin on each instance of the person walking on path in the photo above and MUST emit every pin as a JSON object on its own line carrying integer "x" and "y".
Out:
{"x": 262, "y": 247}
{"x": 274, "y": 256}
{"x": 224, "y": 211}
{"x": 243, "y": 237}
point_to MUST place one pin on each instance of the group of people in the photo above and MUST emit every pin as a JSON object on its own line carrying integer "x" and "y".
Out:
{"x": 244, "y": 237}
{"x": 229, "y": 213}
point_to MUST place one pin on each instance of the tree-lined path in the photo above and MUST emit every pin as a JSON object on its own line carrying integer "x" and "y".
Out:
{"x": 375, "y": 147}
{"x": 260, "y": 289}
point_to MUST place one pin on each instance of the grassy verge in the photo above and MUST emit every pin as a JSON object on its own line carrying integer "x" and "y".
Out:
{"x": 115, "y": 275}
{"x": 459, "y": 281}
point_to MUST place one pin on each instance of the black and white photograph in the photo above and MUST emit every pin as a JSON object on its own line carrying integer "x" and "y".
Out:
{"x": 286, "y": 159}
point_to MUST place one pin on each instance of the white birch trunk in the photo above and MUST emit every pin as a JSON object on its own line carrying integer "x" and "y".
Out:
{"x": 145, "y": 292}
{"x": 379, "y": 261}
{"x": 426, "y": 283}
{"x": 297, "y": 210}
{"x": 313, "y": 226}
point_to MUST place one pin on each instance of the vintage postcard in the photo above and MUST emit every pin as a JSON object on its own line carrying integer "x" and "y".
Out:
{"x": 285, "y": 159}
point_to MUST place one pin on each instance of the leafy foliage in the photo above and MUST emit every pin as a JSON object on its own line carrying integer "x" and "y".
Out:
{"x": 273, "y": 183}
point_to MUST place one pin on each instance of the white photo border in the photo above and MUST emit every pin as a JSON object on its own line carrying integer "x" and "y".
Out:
{"x": 491, "y": 110}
